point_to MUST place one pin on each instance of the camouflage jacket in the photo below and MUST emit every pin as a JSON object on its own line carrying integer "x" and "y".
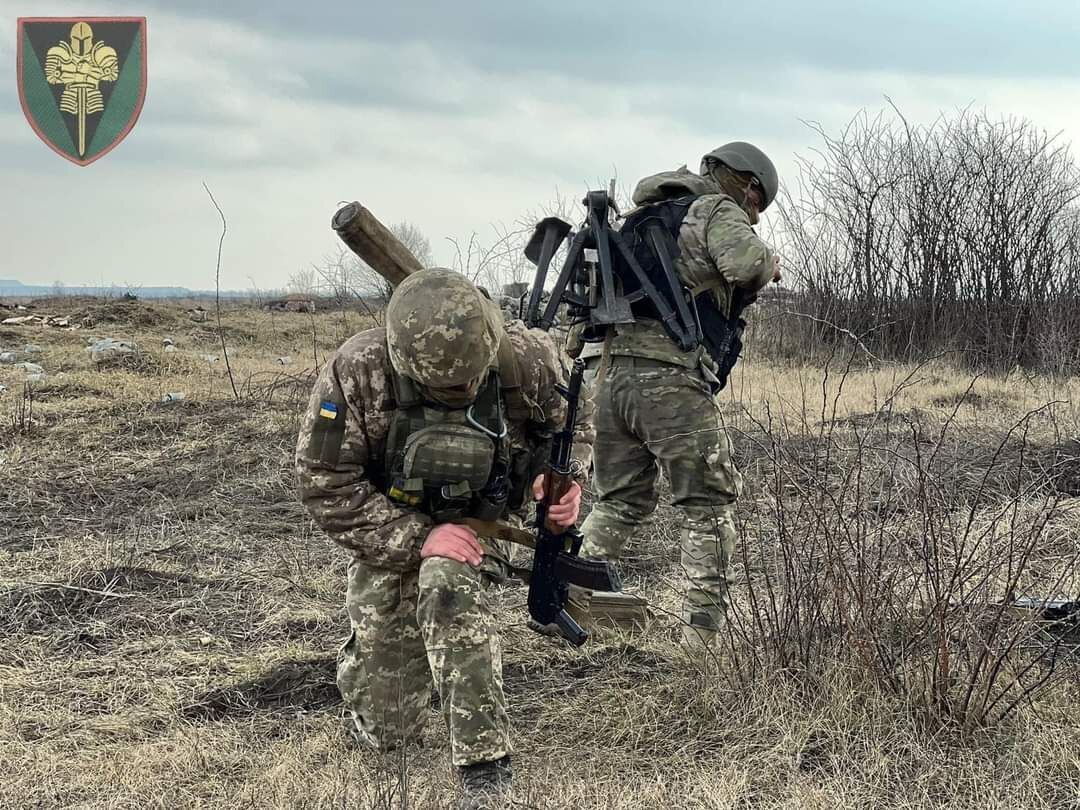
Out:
{"x": 338, "y": 487}
{"x": 717, "y": 246}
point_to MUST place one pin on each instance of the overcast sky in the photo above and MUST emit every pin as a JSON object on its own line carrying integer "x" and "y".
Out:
{"x": 454, "y": 116}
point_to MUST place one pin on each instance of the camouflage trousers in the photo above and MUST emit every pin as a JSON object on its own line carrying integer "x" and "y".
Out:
{"x": 653, "y": 416}
{"x": 409, "y": 629}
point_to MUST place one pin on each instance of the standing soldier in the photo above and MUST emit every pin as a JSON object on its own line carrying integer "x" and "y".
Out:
{"x": 655, "y": 404}
{"x": 438, "y": 417}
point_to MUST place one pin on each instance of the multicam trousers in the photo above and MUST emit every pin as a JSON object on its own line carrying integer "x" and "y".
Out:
{"x": 411, "y": 628}
{"x": 653, "y": 416}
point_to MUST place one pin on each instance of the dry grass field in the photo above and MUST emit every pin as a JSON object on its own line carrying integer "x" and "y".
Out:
{"x": 170, "y": 615}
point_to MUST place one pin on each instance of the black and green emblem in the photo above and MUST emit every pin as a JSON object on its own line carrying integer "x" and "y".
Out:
{"x": 82, "y": 81}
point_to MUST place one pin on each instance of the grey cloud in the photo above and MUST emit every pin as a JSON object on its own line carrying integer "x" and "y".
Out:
{"x": 642, "y": 38}
{"x": 454, "y": 116}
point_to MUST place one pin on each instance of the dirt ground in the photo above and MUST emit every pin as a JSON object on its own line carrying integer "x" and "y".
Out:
{"x": 171, "y": 615}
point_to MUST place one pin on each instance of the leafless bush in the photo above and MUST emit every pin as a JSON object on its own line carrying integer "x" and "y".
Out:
{"x": 962, "y": 234}
{"x": 896, "y": 545}
{"x": 22, "y": 412}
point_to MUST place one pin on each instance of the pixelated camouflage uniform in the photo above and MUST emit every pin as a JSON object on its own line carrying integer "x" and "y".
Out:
{"x": 414, "y": 621}
{"x": 655, "y": 407}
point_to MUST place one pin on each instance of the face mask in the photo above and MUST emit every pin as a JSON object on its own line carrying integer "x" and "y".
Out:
{"x": 737, "y": 186}
{"x": 458, "y": 396}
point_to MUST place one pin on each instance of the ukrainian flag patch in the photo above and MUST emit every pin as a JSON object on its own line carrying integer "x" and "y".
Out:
{"x": 328, "y": 410}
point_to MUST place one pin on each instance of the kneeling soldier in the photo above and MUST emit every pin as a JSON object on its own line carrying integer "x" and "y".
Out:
{"x": 438, "y": 417}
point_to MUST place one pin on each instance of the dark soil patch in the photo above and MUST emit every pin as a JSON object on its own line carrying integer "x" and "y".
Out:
{"x": 972, "y": 399}
{"x": 1064, "y": 461}
{"x": 145, "y": 580}
{"x": 209, "y": 337}
{"x": 60, "y": 391}
{"x": 309, "y": 628}
{"x": 39, "y": 608}
{"x": 600, "y": 665}
{"x": 46, "y": 607}
{"x": 98, "y": 610}
{"x": 298, "y": 684}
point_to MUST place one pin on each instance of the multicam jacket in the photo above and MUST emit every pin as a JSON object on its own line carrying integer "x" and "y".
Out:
{"x": 340, "y": 453}
{"x": 718, "y": 249}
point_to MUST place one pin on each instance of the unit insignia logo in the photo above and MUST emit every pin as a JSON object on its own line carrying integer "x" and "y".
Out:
{"x": 82, "y": 81}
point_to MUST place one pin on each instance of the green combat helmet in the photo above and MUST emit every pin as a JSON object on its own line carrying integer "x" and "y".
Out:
{"x": 440, "y": 330}
{"x": 741, "y": 156}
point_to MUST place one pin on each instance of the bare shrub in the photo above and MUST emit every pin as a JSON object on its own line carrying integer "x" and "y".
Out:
{"x": 961, "y": 234}
{"x": 895, "y": 543}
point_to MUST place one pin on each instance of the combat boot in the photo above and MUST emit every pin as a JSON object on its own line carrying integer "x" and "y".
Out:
{"x": 485, "y": 785}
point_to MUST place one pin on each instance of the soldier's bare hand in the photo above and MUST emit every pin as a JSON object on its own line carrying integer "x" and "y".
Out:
{"x": 565, "y": 512}
{"x": 776, "y": 269}
{"x": 454, "y": 542}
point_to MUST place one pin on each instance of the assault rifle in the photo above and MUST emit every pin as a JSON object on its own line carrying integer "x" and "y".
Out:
{"x": 726, "y": 342}
{"x": 555, "y": 564}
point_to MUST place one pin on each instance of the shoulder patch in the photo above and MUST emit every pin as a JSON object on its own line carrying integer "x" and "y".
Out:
{"x": 327, "y": 433}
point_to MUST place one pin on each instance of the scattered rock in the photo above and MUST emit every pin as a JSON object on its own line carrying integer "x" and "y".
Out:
{"x": 210, "y": 358}
{"x": 3, "y": 388}
{"x": 110, "y": 349}
{"x": 7, "y": 358}
{"x": 30, "y": 368}
{"x": 35, "y": 377}
{"x": 284, "y": 361}
{"x": 168, "y": 342}
{"x": 28, "y": 320}
{"x": 170, "y": 349}
{"x": 30, "y": 348}
{"x": 198, "y": 314}
{"x": 168, "y": 399}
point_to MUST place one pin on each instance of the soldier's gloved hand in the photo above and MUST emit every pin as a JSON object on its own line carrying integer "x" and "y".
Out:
{"x": 776, "y": 275}
{"x": 454, "y": 542}
{"x": 565, "y": 512}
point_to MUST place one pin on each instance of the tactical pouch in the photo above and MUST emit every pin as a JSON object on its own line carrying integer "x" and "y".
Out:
{"x": 449, "y": 454}
{"x": 520, "y": 482}
{"x": 491, "y": 503}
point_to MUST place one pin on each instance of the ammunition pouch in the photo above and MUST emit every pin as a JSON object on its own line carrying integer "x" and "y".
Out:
{"x": 447, "y": 455}
{"x": 454, "y": 464}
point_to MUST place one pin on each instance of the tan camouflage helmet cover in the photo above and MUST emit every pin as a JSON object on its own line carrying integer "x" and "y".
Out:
{"x": 440, "y": 329}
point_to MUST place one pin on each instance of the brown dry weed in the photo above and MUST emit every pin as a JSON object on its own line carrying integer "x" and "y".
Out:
{"x": 170, "y": 614}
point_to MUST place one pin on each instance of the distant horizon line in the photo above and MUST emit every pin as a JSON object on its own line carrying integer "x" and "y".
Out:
{"x": 11, "y": 287}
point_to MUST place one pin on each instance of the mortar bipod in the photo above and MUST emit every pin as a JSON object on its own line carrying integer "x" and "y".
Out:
{"x": 595, "y": 290}
{"x": 547, "y": 236}
{"x": 604, "y": 305}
